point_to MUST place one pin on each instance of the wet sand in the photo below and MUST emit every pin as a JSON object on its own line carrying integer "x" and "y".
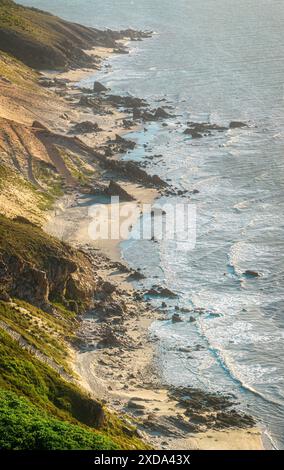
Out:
{"x": 125, "y": 374}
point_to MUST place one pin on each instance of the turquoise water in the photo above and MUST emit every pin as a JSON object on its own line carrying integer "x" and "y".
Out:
{"x": 217, "y": 61}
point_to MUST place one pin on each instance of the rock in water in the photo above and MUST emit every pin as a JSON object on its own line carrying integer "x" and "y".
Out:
{"x": 160, "y": 113}
{"x": 99, "y": 88}
{"x": 237, "y": 124}
{"x": 176, "y": 318}
{"x": 250, "y": 273}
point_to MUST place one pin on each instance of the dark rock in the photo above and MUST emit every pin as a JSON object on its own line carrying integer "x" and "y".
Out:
{"x": 46, "y": 82}
{"x": 200, "y": 129}
{"x": 4, "y": 296}
{"x": 61, "y": 82}
{"x": 136, "y": 276}
{"x": 237, "y": 124}
{"x": 136, "y": 114}
{"x": 39, "y": 125}
{"x": 108, "y": 152}
{"x": 127, "y": 124}
{"x": 250, "y": 273}
{"x": 52, "y": 270}
{"x": 121, "y": 50}
{"x": 160, "y": 113}
{"x": 85, "y": 127}
{"x": 161, "y": 292}
{"x": 126, "y": 101}
{"x": 107, "y": 287}
{"x": 99, "y": 88}
{"x": 134, "y": 405}
{"x": 84, "y": 101}
{"x": 176, "y": 318}
{"x": 114, "y": 189}
{"x": 193, "y": 133}
{"x": 126, "y": 144}
{"x": 133, "y": 172}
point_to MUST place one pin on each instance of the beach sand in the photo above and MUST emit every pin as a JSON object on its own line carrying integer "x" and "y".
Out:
{"x": 126, "y": 376}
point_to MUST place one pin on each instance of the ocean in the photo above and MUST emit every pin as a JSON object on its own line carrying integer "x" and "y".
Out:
{"x": 213, "y": 61}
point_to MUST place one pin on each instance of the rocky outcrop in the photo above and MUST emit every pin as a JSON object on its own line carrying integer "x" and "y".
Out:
{"x": 249, "y": 273}
{"x": 114, "y": 189}
{"x": 132, "y": 172}
{"x": 121, "y": 144}
{"x": 126, "y": 101}
{"x": 200, "y": 129}
{"x": 85, "y": 127}
{"x": 150, "y": 115}
{"x": 99, "y": 88}
{"x": 176, "y": 318}
{"x": 237, "y": 125}
{"x": 158, "y": 291}
{"x": 41, "y": 270}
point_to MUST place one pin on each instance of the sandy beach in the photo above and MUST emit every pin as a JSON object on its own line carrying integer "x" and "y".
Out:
{"x": 117, "y": 361}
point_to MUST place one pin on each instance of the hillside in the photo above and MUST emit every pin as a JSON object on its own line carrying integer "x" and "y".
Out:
{"x": 44, "y": 41}
{"x": 45, "y": 285}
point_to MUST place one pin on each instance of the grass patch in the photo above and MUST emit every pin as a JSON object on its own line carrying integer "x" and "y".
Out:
{"x": 45, "y": 332}
{"x": 21, "y": 195}
{"x": 31, "y": 243}
{"x": 37, "y": 403}
{"x": 24, "y": 427}
{"x": 44, "y": 41}
{"x": 28, "y": 21}
{"x": 79, "y": 169}
{"x": 17, "y": 72}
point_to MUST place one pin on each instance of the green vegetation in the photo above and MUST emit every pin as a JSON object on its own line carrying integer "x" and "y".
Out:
{"x": 16, "y": 72}
{"x": 48, "y": 179}
{"x": 47, "y": 333}
{"x": 79, "y": 169}
{"x": 31, "y": 22}
{"x": 39, "y": 410}
{"x": 42, "y": 40}
{"x": 42, "y": 405}
{"x": 23, "y": 426}
{"x": 31, "y": 243}
{"x": 22, "y": 196}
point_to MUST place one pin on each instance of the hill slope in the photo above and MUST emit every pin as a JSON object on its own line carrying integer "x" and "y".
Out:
{"x": 44, "y": 41}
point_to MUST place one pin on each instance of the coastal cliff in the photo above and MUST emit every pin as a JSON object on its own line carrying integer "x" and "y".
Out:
{"x": 58, "y": 149}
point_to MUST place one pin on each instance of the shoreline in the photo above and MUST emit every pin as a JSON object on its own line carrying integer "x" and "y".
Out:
{"x": 124, "y": 375}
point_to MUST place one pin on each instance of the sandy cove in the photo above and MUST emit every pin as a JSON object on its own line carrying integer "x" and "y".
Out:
{"x": 117, "y": 359}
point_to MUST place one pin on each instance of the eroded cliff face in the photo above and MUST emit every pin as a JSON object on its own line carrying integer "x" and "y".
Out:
{"x": 41, "y": 270}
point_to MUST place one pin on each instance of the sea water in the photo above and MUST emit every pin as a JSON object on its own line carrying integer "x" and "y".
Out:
{"x": 213, "y": 61}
